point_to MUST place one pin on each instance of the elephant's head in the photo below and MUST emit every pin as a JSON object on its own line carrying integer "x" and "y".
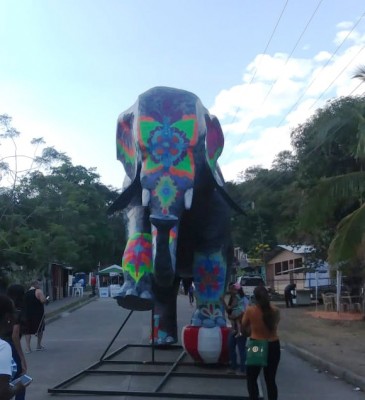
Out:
{"x": 169, "y": 145}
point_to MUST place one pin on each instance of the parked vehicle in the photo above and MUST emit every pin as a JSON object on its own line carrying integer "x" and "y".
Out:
{"x": 249, "y": 282}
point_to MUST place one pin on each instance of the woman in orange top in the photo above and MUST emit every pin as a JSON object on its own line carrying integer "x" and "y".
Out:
{"x": 262, "y": 320}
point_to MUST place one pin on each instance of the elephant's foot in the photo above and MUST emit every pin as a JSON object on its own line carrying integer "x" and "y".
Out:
{"x": 202, "y": 317}
{"x": 135, "y": 295}
{"x": 163, "y": 339}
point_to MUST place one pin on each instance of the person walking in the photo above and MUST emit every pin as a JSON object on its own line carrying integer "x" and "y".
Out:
{"x": 8, "y": 368}
{"x": 93, "y": 284}
{"x": 262, "y": 319}
{"x": 34, "y": 315}
{"x": 288, "y": 294}
{"x": 16, "y": 293}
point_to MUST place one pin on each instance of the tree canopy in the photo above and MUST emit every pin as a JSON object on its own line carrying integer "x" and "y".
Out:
{"x": 314, "y": 193}
{"x": 53, "y": 211}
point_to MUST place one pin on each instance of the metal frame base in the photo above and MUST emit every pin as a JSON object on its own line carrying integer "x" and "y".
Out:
{"x": 171, "y": 372}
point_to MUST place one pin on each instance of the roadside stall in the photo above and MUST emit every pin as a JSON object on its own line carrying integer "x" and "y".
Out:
{"x": 110, "y": 281}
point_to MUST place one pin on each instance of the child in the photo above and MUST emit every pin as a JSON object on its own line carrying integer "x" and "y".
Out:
{"x": 235, "y": 306}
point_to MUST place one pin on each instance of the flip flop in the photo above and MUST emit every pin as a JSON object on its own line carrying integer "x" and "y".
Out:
{"x": 40, "y": 348}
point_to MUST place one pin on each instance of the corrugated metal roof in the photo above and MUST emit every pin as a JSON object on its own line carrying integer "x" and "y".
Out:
{"x": 298, "y": 249}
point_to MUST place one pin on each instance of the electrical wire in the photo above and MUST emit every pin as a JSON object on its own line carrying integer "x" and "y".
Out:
{"x": 334, "y": 80}
{"x": 320, "y": 71}
{"x": 294, "y": 48}
{"x": 269, "y": 41}
{"x": 354, "y": 90}
{"x": 286, "y": 62}
{"x": 263, "y": 54}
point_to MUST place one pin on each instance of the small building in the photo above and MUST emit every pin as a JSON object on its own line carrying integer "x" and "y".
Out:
{"x": 288, "y": 265}
{"x": 58, "y": 284}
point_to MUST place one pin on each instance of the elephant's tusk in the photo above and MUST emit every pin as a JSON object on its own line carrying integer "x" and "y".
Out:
{"x": 188, "y": 198}
{"x": 145, "y": 197}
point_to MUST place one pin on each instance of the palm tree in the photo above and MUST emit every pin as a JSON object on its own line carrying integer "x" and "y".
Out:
{"x": 360, "y": 73}
{"x": 348, "y": 244}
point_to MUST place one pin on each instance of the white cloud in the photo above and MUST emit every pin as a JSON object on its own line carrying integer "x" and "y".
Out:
{"x": 269, "y": 68}
{"x": 300, "y": 113}
{"x": 345, "y": 25}
{"x": 322, "y": 56}
{"x": 348, "y": 35}
{"x": 258, "y": 114}
{"x": 261, "y": 151}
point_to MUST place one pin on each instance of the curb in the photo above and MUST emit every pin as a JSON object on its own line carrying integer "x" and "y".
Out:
{"x": 346, "y": 375}
{"x": 56, "y": 314}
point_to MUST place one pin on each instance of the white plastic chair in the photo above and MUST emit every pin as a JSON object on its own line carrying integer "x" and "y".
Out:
{"x": 328, "y": 302}
{"x": 77, "y": 290}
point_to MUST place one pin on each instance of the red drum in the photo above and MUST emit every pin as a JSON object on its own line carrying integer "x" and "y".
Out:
{"x": 206, "y": 345}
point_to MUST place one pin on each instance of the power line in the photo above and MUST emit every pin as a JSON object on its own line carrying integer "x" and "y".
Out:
{"x": 294, "y": 48}
{"x": 345, "y": 68}
{"x": 320, "y": 144}
{"x": 269, "y": 41}
{"x": 264, "y": 53}
{"x": 342, "y": 71}
{"x": 287, "y": 60}
{"x": 313, "y": 149}
{"x": 311, "y": 83}
{"x": 354, "y": 90}
{"x": 320, "y": 71}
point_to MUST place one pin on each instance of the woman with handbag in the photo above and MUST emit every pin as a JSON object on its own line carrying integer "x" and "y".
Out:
{"x": 263, "y": 350}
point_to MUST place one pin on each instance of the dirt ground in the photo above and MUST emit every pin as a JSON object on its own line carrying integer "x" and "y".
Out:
{"x": 337, "y": 338}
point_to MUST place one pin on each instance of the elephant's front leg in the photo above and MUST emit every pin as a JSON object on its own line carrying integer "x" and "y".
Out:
{"x": 209, "y": 271}
{"x": 165, "y": 331}
{"x": 136, "y": 292}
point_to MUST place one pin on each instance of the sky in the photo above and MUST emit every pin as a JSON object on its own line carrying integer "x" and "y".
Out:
{"x": 69, "y": 68}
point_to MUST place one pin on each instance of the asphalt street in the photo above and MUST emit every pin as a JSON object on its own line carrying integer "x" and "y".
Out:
{"x": 77, "y": 339}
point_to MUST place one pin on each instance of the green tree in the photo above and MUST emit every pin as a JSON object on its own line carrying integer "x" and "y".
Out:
{"x": 348, "y": 244}
{"x": 15, "y": 166}
{"x": 53, "y": 211}
{"x": 274, "y": 197}
{"x": 331, "y": 154}
{"x": 69, "y": 214}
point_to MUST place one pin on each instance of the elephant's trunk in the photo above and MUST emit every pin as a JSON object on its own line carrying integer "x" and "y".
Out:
{"x": 164, "y": 270}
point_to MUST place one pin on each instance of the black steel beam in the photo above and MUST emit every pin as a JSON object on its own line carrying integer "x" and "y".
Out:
{"x": 168, "y": 373}
{"x": 162, "y": 373}
{"x": 149, "y": 394}
{"x": 116, "y": 335}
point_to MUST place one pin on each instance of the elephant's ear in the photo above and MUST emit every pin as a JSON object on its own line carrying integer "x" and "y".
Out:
{"x": 126, "y": 149}
{"x": 214, "y": 142}
{"x": 127, "y": 154}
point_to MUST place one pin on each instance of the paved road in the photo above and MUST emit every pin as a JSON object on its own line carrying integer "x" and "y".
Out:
{"x": 78, "y": 339}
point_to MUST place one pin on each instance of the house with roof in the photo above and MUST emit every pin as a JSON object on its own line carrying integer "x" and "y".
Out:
{"x": 288, "y": 264}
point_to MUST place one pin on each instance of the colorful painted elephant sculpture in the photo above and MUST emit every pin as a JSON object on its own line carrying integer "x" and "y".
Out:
{"x": 177, "y": 209}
